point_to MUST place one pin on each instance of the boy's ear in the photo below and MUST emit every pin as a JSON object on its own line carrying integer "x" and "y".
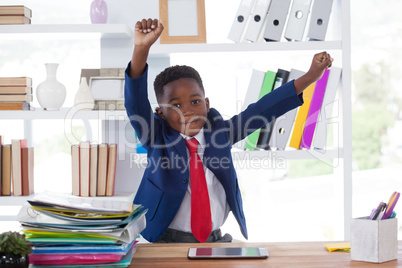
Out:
{"x": 159, "y": 112}
{"x": 207, "y": 103}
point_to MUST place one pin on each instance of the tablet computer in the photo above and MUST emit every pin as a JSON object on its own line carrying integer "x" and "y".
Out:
{"x": 227, "y": 253}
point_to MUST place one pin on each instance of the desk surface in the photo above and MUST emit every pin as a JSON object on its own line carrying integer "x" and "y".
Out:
{"x": 284, "y": 254}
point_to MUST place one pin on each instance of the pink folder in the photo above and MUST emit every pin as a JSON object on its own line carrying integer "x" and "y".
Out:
{"x": 314, "y": 111}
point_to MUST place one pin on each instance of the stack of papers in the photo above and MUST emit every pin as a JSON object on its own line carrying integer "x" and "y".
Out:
{"x": 73, "y": 231}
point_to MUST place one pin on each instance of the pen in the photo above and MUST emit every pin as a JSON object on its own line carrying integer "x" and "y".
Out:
{"x": 379, "y": 209}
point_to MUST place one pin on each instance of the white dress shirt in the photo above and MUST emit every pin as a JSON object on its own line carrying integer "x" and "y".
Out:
{"x": 217, "y": 196}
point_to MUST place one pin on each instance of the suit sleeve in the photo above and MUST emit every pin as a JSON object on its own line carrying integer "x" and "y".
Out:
{"x": 265, "y": 110}
{"x": 138, "y": 107}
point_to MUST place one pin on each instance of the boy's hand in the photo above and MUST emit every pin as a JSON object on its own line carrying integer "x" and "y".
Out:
{"x": 320, "y": 63}
{"x": 147, "y": 32}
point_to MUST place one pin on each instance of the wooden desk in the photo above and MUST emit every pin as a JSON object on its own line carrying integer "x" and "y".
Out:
{"x": 284, "y": 254}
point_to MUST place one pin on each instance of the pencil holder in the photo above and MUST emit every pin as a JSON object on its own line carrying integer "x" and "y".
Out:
{"x": 374, "y": 241}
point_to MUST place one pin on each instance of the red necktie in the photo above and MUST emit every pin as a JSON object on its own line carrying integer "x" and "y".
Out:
{"x": 201, "y": 224}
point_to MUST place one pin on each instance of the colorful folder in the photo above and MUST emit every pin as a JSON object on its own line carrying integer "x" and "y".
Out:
{"x": 314, "y": 111}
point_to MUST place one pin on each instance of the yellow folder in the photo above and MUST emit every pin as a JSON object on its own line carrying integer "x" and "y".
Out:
{"x": 302, "y": 117}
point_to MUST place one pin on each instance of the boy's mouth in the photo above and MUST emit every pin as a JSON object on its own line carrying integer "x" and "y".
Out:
{"x": 191, "y": 122}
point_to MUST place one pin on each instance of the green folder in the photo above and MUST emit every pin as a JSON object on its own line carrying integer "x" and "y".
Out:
{"x": 267, "y": 86}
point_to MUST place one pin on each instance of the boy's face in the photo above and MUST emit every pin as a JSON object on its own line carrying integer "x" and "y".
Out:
{"x": 184, "y": 106}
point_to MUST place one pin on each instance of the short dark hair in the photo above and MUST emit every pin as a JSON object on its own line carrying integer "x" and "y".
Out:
{"x": 174, "y": 73}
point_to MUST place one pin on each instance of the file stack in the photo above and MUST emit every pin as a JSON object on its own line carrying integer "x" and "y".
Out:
{"x": 76, "y": 231}
{"x": 15, "y": 93}
{"x": 15, "y": 15}
{"x": 281, "y": 20}
{"x": 300, "y": 128}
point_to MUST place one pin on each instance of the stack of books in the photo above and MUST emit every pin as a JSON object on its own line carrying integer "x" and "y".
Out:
{"x": 93, "y": 169}
{"x": 15, "y": 15}
{"x": 16, "y": 168}
{"x": 15, "y": 93}
{"x": 77, "y": 231}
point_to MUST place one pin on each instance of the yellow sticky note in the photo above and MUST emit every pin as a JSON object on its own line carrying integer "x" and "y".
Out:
{"x": 337, "y": 246}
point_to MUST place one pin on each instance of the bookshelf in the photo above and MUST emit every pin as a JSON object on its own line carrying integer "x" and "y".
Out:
{"x": 116, "y": 42}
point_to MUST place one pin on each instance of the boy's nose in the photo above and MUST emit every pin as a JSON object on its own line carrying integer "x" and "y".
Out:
{"x": 187, "y": 110}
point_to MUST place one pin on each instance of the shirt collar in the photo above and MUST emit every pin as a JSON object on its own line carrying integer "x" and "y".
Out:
{"x": 199, "y": 137}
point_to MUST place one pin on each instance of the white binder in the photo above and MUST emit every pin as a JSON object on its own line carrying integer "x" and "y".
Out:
{"x": 252, "y": 95}
{"x": 319, "y": 18}
{"x": 297, "y": 20}
{"x": 283, "y": 124}
{"x": 325, "y": 116}
{"x": 257, "y": 20}
{"x": 276, "y": 19}
{"x": 241, "y": 20}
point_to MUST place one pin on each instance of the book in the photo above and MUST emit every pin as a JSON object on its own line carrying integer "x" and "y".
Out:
{"x": 27, "y": 163}
{"x": 16, "y": 167}
{"x": 16, "y": 98}
{"x": 10, "y": 106}
{"x": 14, "y": 19}
{"x": 6, "y": 170}
{"x": 16, "y": 81}
{"x": 301, "y": 117}
{"x": 102, "y": 169}
{"x": 111, "y": 169}
{"x": 1, "y": 145}
{"x": 15, "y": 90}
{"x": 314, "y": 111}
{"x": 267, "y": 86}
{"x": 93, "y": 170}
{"x": 75, "y": 171}
{"x": 16, "y": 10}
{"x": 85, "y": 158}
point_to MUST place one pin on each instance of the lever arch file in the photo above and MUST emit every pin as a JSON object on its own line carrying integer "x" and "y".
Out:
{"x": 320, "y": 12}
{"x": 297, "y": 20}
{"x": 276, "y": 19}
{"x": 314, "y": 110}
{"x": 266, "y": 132}
{"x": 325, "y": 116}
{"x": 283, "y": 124}
{"x": 257, "y": 19}
{"x": 241, "y": 20}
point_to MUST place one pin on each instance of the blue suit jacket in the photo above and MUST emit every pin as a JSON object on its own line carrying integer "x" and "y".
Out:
{"x": 166, "y": 177}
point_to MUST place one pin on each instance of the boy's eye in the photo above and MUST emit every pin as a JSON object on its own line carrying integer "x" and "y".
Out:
{"x": 196, "y": 101}
{"x": 176, "y": 105}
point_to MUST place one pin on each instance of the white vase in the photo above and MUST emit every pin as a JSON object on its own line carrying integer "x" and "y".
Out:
{"x": 83, "y": 98}
{"x": 51, "y": 93}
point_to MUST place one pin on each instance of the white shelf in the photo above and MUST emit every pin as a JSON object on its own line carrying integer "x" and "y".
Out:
{"x": 101, "y": 30}
{"x": 246, "y": 47}
{"x": 64, "y": 113}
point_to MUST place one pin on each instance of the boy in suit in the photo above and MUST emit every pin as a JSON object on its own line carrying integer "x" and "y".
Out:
{"x": 190, "y": 184}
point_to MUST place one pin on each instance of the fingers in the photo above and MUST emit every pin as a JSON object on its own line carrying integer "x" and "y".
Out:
{"x": 146, "y": 25}
{"x": 324, "y": 58}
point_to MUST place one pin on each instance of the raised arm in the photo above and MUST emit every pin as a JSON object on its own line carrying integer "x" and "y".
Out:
{"x": 321, "y": 61}
{"x": 145, "y": 34}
